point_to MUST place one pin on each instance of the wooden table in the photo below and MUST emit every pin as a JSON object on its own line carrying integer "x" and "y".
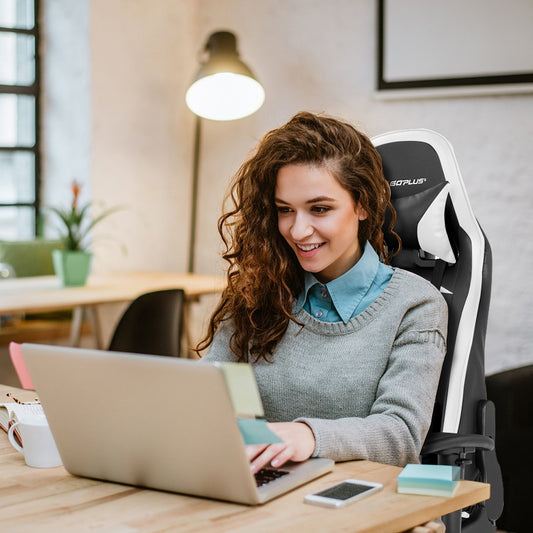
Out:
{"x": 44, "y": 293}
{"x": 51, "y": 500}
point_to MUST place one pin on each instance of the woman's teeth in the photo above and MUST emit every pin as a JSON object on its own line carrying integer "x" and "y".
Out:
{"x": 308, "y": 247}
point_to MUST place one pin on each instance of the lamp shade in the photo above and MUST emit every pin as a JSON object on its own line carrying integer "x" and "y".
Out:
{"x": 224, "y": 88}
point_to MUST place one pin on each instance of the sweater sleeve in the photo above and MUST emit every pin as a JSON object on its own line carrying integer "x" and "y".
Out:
{"x": 397, "y": 424}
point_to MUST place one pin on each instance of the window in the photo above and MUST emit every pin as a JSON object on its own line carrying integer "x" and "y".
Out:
{"x": 19, "y": 119}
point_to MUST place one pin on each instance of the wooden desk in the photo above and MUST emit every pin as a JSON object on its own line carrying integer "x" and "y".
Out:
{"x": 51, "y": 500}
{"x": 44, "y": 293}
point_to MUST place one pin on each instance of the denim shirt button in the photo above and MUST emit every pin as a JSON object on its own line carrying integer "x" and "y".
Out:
{"x": 319, "y": 314}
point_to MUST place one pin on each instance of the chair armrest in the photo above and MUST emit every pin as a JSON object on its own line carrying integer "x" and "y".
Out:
{"x": 447, "y": 442}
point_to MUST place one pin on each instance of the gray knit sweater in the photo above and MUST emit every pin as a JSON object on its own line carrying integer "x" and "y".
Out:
{"x": 366, "y": 388}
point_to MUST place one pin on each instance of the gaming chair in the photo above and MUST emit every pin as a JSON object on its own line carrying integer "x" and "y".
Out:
{"x": 443, "y": 242}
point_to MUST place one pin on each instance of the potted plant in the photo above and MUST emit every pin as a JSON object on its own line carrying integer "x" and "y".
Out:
{"x": 72, "y": 263}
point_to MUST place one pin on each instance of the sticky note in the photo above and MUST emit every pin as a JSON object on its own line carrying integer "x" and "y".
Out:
{"x": 434, "y": 480}
{"x": 256, "y": 431}
{"x": 243, "y": 390}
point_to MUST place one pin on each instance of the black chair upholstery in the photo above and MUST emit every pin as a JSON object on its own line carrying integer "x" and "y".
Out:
{"x": 443, "y": 242}
{"x": 152, "y": 324}
{"x": 511, "y": 392}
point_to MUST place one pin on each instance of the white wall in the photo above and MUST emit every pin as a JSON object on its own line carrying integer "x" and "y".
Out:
{"x": 141, "y": 60}
{"x": 66, "y": 98}
{"x": 309, "y": 54}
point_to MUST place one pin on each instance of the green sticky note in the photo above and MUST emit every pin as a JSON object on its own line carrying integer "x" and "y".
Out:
{"x": 256, "y": 431}
{"x": 243, "y": 389}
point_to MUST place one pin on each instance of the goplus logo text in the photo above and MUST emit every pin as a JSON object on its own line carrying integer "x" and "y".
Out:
{"x": 412, "y": 181}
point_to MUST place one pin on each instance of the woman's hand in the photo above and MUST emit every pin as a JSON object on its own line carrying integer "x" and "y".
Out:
{"x": 298, "y": 445}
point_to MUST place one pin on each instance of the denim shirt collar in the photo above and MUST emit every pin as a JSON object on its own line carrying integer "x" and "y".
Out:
{"x": 349, "y": 289}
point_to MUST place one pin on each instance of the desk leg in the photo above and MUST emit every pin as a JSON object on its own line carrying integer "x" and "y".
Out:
{"x": 95, "y": 326}
{"x": 77, "y": 322}
{"x": 75, "y": 328}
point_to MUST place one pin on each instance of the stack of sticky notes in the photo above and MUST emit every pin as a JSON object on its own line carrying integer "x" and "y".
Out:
{"x": 433, "y": 480}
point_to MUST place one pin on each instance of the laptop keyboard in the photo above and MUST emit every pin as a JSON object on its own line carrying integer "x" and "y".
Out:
{"x": 266, "y": 475}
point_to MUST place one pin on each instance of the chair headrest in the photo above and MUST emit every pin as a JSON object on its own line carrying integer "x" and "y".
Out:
{"x": 421, "y": 221}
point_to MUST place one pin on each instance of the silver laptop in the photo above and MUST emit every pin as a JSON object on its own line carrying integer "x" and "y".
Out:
{"x": 158, "y": 422}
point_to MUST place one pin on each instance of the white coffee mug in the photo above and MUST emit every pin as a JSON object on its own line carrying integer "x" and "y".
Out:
{"x": 38, "y": 445}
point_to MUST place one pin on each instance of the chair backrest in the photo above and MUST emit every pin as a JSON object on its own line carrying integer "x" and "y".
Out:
{"x": 443, "y": 242}
{"x": 152, "y": 324}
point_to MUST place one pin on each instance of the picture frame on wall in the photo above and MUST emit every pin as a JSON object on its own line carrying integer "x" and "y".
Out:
{"x": 454, "y": 47}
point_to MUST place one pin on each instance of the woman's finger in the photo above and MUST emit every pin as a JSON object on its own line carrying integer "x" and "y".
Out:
{"x": 282, "y": 457}
{"x": 266, "y": 457}
{"x": 253, "y": 450}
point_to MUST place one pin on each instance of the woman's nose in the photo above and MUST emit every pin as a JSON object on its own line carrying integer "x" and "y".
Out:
{"x": 301, "y": 228}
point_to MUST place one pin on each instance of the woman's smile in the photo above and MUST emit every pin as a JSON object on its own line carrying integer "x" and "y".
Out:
{"x": 308, "y": 249}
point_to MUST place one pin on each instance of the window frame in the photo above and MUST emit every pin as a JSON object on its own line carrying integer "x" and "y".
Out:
{"x": 32, "y": 90}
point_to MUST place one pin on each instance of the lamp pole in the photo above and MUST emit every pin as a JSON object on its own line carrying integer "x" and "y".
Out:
{"x": 223, "y": 89}
{"x": 194, "y": 194}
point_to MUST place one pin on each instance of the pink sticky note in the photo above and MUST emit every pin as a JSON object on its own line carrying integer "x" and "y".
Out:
{"x": 15, "y": 352}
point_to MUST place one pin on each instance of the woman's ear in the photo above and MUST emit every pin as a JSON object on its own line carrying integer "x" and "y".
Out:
{"x": 361, "y": 213}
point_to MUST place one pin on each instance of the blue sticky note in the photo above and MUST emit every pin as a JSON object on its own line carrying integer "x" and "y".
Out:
{"x": 436, "y": 480}
{"x": 256, "y": 431}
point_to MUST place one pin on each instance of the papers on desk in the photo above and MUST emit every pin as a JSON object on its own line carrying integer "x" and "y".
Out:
{"x": 432, "y": 480}
{"x": 11, "y": 412}
{"x": 247, "y": 404}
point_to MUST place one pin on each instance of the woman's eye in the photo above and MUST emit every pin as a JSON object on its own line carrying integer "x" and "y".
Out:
{"x": 320, "y": 209}
{"x": 283, "y": 209}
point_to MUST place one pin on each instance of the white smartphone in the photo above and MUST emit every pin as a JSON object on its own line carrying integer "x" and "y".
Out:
{"x": 343, "y": 493}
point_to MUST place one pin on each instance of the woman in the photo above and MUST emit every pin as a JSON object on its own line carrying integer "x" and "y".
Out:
{"x": 346, "y": 350}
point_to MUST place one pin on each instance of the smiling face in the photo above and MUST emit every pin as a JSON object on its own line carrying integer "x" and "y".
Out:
{"x": 319, "y": 220}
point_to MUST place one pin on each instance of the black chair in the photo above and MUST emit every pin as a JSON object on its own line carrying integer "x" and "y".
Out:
{"x": 443, "y": 242}
{"x": 152, "y": 324}
{"x": 511, "y": 391}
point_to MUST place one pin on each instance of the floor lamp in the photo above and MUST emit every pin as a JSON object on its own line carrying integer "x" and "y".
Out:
{"x": 223, "y": 89}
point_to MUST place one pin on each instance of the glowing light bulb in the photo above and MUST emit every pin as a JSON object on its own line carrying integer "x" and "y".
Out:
{"x": 225, "y": 96}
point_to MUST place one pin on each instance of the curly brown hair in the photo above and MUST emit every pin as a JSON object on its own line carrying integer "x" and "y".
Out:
{"x": 264, "y": 275}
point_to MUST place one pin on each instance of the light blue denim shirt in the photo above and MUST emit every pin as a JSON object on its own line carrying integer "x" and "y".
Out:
{"x": 349, "y": 294}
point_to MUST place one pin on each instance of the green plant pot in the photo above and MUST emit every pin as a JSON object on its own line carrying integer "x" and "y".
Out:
{"x": 72, "y": 268}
